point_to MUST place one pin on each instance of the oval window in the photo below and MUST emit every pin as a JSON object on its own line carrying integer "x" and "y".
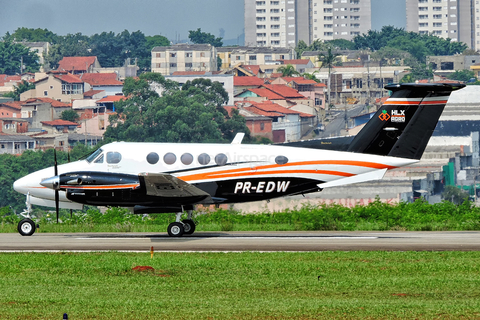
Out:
{"x": 114, "y": 157}
{"x": 169, "y": 158}
{"x": 152, "y": 158}
{"x": 186, "y": 158}
{"x": 204, "y": 158}
{"x": 281, "y": 160}
{"x": 221, "y": 159}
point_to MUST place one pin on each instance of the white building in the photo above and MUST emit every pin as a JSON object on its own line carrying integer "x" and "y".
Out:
{"x": 184, "y": 57}
{"x": 454, "y": 19}
{"x": 284, "y": 23}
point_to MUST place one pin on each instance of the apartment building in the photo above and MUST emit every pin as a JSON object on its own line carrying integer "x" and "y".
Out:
{"x": 454, "y": 19}
{"x": 184, "y": 57}
{"x": 340, "y": 19}
{"x": 284, "y": 23}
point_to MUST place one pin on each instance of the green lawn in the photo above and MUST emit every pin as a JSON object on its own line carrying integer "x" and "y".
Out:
{"x": 314, "y": 285}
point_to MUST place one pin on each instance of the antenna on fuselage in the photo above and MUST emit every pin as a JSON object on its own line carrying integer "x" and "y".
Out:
{"x": 238, "y": 138}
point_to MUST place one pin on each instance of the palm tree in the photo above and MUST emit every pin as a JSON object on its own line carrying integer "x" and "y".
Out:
{"x": 311, "y": 76}
{"x": 328, "y": 60}
{"x": 287, "y": 70}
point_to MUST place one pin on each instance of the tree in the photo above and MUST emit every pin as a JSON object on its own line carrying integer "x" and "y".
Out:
{"x": 341, "y": 44}
{"x": 311, "y": 76}
{"x": 71, "y": 45}
{"x": 156, "y": 41}
{"x": 287, "y": 70}
{"x": 199, "y": 37}
{"x": 328, "y": 60}
{"x": 34, "y": 35}
{"x": 192, "y": 113}
{"x": 70, "y": 115}
{"x": 462, "y": 75}
{"x": 455, "y": 195}
{"x": 300, "y": 48}
{"x": 19, "y": 89}
{"x": 12, "y": 55}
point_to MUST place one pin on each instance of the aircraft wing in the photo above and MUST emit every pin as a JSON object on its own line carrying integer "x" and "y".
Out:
{"x": 168, "y": 186}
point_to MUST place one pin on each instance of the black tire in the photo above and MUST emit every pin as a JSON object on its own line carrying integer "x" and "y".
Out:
{"x": 175, "y": 229}
{"x": 189, "y": 226}
{"x": 26, "y": 227}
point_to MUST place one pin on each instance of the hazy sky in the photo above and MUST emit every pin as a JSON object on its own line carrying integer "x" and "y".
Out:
{"x": 170, "y": 18}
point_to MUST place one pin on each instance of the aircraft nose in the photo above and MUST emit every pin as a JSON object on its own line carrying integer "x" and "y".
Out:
{"x": 51, "y": 183}
{"x": 20, "y": 185}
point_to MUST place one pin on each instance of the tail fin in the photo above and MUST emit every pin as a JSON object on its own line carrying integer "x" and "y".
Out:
{"x": 405, "y": 123}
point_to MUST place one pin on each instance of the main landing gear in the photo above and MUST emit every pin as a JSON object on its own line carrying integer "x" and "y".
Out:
{"x": 179, "y": 228}
{"x": 27, "y": 227}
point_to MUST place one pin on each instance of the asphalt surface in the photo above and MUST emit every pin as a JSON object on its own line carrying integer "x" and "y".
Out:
{"x": 244, "y": 241}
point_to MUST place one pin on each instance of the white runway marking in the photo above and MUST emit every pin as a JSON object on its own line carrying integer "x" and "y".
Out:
{"x": 235, "y": 238}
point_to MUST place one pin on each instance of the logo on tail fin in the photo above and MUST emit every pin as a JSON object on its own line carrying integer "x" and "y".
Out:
{"x": 384, "y": 116}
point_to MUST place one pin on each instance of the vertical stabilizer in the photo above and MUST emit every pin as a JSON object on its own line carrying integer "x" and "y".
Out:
{"x": 403, "y": 126}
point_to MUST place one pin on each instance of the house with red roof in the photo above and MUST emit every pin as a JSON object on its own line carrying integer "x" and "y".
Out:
{"x": 57, "y": 85}
{"x": 78, "y": 65}
{"x": 286, "y": 123}
{"x": 42, "y": 109}
{"x": 59, "y": 126}
{"x": 240, "y": 84}
{"x": 8, "y": 83}
{"x": 108, "y": 82}
{"x": 11, "y": 109}
{"x": 13, "y": 125}
{"x": 259, "y": 125}
{"x": 306, "y": 87}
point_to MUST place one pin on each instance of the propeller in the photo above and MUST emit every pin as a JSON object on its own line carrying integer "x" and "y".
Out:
{"x": 56, "y": 189}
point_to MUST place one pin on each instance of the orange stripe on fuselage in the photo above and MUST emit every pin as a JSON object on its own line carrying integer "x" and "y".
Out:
{"x": 249, "y": 171}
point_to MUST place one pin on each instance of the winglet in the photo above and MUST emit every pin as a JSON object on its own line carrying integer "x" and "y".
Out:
{"x": 238, "y": 138}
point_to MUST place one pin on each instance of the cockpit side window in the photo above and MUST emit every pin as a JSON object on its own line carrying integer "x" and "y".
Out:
{"x": 99, "y": 159}
{"x": 114, "y": 157}
{"x": 91, "y": 157}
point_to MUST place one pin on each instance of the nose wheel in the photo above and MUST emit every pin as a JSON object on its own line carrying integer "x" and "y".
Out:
{"x": 26, "y": 227}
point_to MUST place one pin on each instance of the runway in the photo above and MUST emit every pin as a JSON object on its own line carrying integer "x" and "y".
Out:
{"x": 243, "y": 241}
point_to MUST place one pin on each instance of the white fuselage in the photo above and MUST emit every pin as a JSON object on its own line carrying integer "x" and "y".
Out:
{"x": 224, "y": 162}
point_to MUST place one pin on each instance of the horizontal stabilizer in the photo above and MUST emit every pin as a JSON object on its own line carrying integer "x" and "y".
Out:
{"x": 369, "y": 176}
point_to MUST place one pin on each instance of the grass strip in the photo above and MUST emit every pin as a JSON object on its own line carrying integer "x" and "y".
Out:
{"x": 311, "y": 285}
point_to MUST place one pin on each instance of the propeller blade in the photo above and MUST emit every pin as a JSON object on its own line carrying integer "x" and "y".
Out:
{"x": 55, "y": 164}
{"x": 56, "y": 204}
{"x": 56, "y": 191}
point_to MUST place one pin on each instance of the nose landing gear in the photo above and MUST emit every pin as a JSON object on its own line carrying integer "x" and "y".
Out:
{"x": 26, "y": 227}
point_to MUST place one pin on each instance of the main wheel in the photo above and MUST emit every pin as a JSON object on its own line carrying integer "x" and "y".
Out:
{"x": 175, "y": 229}
{"x": 189, "y": 226}
{"x": 26, "y": 227}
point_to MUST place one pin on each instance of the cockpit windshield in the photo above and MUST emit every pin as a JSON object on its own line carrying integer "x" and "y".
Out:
{"x": 92, "y": 157}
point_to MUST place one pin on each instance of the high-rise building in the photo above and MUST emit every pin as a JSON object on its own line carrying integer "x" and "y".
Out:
{"x": 283, "y": 23}
{"x": 454, "y": 19}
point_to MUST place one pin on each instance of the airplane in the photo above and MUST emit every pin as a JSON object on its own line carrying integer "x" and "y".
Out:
{"x": 176, "y": 177}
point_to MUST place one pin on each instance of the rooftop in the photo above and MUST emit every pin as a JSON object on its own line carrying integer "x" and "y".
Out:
{"x": 101, "y": 79}
{"x": 76, "y": 63}
{"x": 247, "y": 81}
{"x": 54, "y": 103}
{"x": 184, "y": 47}
{"x": 59, "y": 122}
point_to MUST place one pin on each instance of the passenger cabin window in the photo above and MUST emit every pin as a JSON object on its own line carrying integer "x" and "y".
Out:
{"x": 221, "y": 159}
{"x": 186, "y": 158}
{"x": 152, "y": 158}
{"x": 113, "y": 157}
{"x": 169, "y": 158}
{"x": 203, "y": 159}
